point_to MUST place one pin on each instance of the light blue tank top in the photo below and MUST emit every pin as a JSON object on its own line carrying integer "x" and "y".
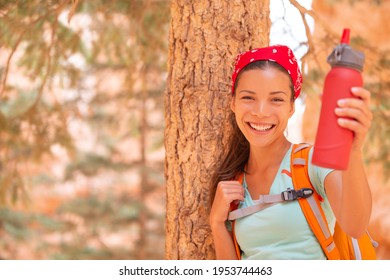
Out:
{"x": 281, "y": 231}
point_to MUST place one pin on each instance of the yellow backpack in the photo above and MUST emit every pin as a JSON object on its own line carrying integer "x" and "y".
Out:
{"x": 338, "y": 246}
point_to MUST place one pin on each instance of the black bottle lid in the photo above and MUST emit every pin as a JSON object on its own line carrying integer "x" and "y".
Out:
{"x": 344, "y": 55}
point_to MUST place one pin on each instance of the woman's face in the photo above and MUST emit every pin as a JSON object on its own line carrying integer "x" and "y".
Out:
{"x": 262, "y": 105}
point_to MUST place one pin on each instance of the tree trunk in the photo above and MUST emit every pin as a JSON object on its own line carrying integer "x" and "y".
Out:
{"x": 142, "y": 241}
{"x": 205, "y": 37}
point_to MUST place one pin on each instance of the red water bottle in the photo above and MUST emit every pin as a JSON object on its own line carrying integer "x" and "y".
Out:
{"x": 333, "y": 143}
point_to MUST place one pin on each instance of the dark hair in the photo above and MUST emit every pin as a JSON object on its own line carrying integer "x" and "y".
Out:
{"x": 236, "y": 157}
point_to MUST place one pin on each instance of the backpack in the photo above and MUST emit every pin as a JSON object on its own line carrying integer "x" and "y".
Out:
{"x": 338, "y": 246}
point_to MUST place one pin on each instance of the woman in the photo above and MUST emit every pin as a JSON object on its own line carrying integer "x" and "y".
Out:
{"x": 265, "y": 84}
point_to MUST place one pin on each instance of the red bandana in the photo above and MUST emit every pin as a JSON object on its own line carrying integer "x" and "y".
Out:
{"x": 282, "y": 55}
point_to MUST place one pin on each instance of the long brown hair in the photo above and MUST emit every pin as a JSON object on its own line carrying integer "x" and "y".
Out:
{"x": 236, "y": 156}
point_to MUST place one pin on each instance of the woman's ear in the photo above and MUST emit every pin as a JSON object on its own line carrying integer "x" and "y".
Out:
{"x": 233, "y": 104}
{"x": 292, "y": 109}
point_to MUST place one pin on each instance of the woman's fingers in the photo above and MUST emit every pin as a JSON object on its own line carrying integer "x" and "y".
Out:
{"x": 355, "y": 114}
{"x": 226, "y": 193}
{"x": 231, "y": 190}
{"x": 362, "y": 93}
{"x": 353, "y": 118}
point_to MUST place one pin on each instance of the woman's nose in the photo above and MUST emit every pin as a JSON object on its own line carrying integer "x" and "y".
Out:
{"x": 260, "y": 109}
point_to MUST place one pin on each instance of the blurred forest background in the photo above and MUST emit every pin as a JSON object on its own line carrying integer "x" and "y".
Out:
{"x": 82, "y": 122}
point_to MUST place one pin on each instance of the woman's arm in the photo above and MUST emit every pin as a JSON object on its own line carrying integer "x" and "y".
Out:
{"x": 348, "y": 191}
{"x": 223, "y": 243}
{"x": 226, "y": 193}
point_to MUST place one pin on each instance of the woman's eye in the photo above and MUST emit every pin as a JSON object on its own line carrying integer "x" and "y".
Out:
{"x": 247, "y": 97}
{"x": 278, "y": 99}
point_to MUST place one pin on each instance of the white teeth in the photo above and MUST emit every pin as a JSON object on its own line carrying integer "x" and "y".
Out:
{"x": 261, "y": 127}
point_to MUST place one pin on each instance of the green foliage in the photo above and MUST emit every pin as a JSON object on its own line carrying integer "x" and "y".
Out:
{"x": 18, "y": 224}
{"x": 81, "y": 226}
{"x": 14, "y": 223}
{"x": 378, "y": 146}
{"x": 110, "y": 209}
{"x": 125, "y": 33}
{"x": 91, "y": 163}
{"x": 73, "y": 75}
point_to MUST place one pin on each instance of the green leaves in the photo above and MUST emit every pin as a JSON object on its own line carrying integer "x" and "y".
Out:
{"x": 71, "y": 114}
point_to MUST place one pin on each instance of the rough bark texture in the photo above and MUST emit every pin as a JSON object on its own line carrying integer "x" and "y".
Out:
{"x": 205, "y": 37}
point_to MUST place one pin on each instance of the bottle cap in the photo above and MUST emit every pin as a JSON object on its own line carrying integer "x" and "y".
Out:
{"x": 345, "y": 36}
{"x": 344, "y": 55}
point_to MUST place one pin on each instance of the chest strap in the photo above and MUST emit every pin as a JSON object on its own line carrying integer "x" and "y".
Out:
{"x": 269, "y": 200}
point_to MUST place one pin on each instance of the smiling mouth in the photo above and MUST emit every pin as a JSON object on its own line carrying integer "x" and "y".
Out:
{"x": 261, "y": 127}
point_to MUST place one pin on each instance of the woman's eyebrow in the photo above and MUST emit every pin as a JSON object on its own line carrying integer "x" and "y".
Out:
{"x": 247, "y": 91}
{"x": 252, "y": 92}
{"x": 278, "y": 91}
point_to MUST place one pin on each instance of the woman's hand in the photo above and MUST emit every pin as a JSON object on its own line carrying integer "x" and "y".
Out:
{"x": 355, "y": 114}
{"x": 226, "y": 193}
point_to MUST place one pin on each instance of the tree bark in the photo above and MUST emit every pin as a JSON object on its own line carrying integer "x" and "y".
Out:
{"x": 205, "y": 37}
